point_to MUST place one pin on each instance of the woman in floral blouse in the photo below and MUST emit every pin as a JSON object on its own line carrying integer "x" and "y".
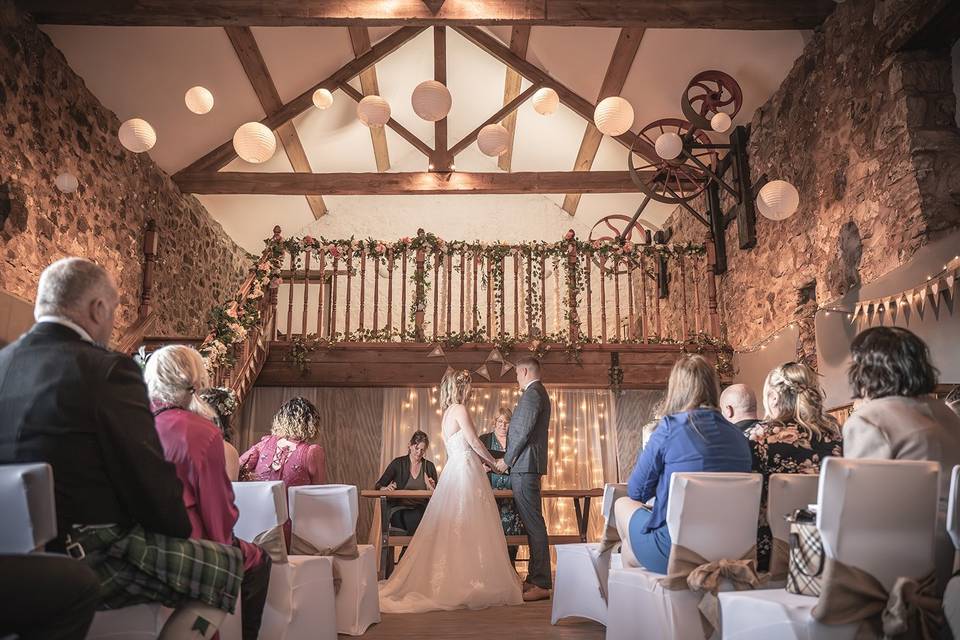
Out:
{"x": 794, "y": 437}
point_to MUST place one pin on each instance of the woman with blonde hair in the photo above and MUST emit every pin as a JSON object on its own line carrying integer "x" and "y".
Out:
{"x": 692, "y": 435}
{"x": 496, "y": 443}
{"x": 193, "y": 443}
{"x": 460, "y": 532}
{"x": 795, "y": 435}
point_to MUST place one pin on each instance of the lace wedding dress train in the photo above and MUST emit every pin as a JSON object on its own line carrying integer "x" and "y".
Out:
{"x": 458, "y": 557}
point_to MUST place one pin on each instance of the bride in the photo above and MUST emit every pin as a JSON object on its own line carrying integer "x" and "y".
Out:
{"x": 458, "y": 556}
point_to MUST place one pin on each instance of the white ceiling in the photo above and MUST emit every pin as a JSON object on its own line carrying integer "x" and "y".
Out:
{"x": 144, "y": 72}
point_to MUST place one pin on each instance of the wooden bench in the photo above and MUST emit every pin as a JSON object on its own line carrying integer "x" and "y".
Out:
{"x": 581, "y": 502}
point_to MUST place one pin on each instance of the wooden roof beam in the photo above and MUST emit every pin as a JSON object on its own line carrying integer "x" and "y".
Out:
{"x": 259, "y": 76}
{"x": 404, "y": 133}
{"x": 360, "y": 41}
{"x": 519, "y": 41}
{"x": 620, "y": 62}
{"x": 427, "y": 182}
{"x": 686, "y": 14}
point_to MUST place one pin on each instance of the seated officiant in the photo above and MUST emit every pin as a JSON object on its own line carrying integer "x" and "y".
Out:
{"x": 496, "y": 443}
{"x": 409, "y": 472}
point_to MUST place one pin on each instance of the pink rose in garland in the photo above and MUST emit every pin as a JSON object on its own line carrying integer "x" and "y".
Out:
{"x": 406, "y": 240}
{"x": 307, "y": 241}
{"x": 569, "y": 235}
{"x": 232, "y": 311}
{"x": 597, "y": 244}
{"x": 627, "y": 247}
{"x": 381, "y": 248}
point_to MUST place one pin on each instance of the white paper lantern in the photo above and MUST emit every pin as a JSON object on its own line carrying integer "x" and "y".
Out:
{"x": 373, "y": 111}
{"x": 669, "y": 145}
{"x": 720, "y": 122}
{"x": 778, "y": 200}
{"x": 613, "y": 116}
{"x": 322, "y": 99}
{"x": 493, "y": 139}
{"x": 254, "y": 142}
{"x": 137, "y": 135}
{"x": 431, "y": 100}
{"x": 66, "y": 182}
{"x": 545, "y": 101}
{"x": 199, "y": 100}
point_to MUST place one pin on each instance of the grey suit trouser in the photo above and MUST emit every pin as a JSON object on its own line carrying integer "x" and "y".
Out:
{"x": 526, "y": 495}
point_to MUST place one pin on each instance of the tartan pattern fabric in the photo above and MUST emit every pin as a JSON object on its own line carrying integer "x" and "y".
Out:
{"x": 136, "y": 567}
{"x": 804, "y": 575}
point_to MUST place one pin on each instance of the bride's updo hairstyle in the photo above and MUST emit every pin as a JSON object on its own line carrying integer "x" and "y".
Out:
{"x": 791, "y": 393}
{"x": 454, "y": 388}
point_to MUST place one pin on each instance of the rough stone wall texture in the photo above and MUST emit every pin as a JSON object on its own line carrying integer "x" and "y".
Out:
{"x": 49, "y": 123}
{"x": 867, "y": 135}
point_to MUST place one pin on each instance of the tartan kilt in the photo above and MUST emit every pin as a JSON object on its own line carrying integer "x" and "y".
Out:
{"x": 137, "y": 567}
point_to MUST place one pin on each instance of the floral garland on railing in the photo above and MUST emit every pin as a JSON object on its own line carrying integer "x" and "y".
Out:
{"x": 231, "y": 321}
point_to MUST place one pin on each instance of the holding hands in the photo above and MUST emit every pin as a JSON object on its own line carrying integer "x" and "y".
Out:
{"x": 501, "y": 466}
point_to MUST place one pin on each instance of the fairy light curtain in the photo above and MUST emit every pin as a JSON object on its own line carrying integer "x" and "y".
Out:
{"x": 583, "y": 441}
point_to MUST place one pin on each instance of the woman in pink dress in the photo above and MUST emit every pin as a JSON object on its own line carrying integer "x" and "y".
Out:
{"x": 194, "y": 444}
{"x": 288, "y": 454}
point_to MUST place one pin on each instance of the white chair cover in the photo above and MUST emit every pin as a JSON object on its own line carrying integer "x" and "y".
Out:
{"x": 577, "y": 588}
{"x": 26, "y": 500}
{"x": 326, "y": 517}
{"x": 876, "y": 515}
{"x": 262, "y": 507}
{"x": 953, "y": 507}
{"x": 787, "y": 492}
{"x": 712, "y": 514}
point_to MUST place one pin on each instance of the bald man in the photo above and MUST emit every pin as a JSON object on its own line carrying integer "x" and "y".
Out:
{"x": 739, "y": 405}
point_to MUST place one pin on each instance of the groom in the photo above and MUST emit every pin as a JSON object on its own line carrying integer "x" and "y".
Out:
{"x": 526, "y": 458}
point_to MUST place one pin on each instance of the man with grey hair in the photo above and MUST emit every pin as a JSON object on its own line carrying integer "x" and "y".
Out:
{"x": 738, "y": 404}
{"x": 69, "y": 402}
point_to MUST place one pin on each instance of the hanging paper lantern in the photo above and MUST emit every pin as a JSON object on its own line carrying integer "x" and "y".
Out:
{"x": 199, "y": 100}
{"x": 254, "y": 142}
{"x": 66, "y": 182}
{"x": 373, "y": 111}
{"x": 431, "y": 100}
{"x": 545, "y": 101}
{"x": 493, "y": 139}
{"x": 137, "y": 135}
{"x": 322, "y": 99}
{"x": 669, "y": 145}
{"x": 778, "y": 200}
{"x": 720, "y": 122}
{"x": 613, "y": 116}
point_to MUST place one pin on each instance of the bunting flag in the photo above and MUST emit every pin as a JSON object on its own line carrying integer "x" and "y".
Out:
{"x": 917, "y": 299}
{"x": 893, "y": 306}
{"x": 482, "y": 372}
{"x": 495, "y": 356}
{"x": 504, "y": 367}
{"x": 437, "y": 352}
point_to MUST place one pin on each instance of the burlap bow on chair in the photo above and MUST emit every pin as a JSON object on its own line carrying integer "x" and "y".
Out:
{"x": 687, "y": 569}
{"x": 346, "y": 550}
{"x": 909, "y": 610}
{"x": 272, "y": 542}
{"x": 601, "y": 557}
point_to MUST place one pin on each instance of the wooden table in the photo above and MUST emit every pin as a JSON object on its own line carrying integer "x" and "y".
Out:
{"x": 581, "y": 503}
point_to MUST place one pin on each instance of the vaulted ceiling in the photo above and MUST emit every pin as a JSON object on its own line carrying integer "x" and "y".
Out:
{"x": 143, "y": 72}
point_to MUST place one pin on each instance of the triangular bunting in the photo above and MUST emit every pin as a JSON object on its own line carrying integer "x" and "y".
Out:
{"x": 893, "y": 307}
{"x": 482, "y": 372}
{"x": 437, "y": 352}
{"x": 504, "y": 367}
{"x": 495, "y": 356}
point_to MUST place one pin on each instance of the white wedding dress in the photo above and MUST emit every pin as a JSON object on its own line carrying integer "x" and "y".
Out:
{"x": 458, "y": 557}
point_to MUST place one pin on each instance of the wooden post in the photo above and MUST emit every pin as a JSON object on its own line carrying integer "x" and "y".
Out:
{"x": 418, "y": 318}
{"x": 603, "y": 299}
{"x": 322, "y": 253}
{"x": 463, "y": 276}
{"x": 346, "y": 317}
{"x": 589, "y": 294}
{"x": 403, "y": 290}
{"x": 698, "y": 314}
{"x": 376, "y": 292}
{"x": 616, "y": 294}
{"x": 449, "y": 259}
{"x": 683, "y": 292}
{"x": 572, "y": 258}
{"x": 712, "y": 289}
{"x": 391, "y": 265}
{"x": 306, "y": 293}
{"x": 516, "y": 294}
{"x": 529, "y": 294}
{"x": 150, "y": 244}
{"x": 644, "y": 321}
{"x": 333, "y": 296}
{"x": 632, "y": 333}
{"x": 436, "y": 295}
{"x": 489, "y": 298}
{"x": 476, "y": 304}
{"x": 543, "y": 296}
{"x": 363, "y": 285}
{"x": 293, "y": 273}
{"x": 503, "y": 296}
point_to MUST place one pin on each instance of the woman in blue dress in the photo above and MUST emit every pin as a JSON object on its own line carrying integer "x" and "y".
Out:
{"x": 496, "y": 443}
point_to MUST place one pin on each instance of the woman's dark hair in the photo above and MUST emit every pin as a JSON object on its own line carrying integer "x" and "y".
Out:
{"x": 890, "y": 361}
{"x": 418, "y": 438}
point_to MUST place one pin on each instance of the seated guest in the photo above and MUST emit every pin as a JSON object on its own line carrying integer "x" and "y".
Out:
{"x": 193, "y": 443}
{"x": 496, "y": 441}
{"x": 223, "y": 402}
{"x": 288, "y": 453}
{"x": 896, "y": 418}
{"x": 411, "y": 471}
{"x": 69, "y": 402}
{"x": 738, "y": 404}
{"x": 794, "y": 437}
{"x": 691, "y": 436}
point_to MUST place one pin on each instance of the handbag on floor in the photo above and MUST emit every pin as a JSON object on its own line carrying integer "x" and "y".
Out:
{"x": 806, "y": 554}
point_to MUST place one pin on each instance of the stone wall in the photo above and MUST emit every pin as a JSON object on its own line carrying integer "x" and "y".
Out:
{"x": 867, "y": 135}
{"x": 50, "y": 123}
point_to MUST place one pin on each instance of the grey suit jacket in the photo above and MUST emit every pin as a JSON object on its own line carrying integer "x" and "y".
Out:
{"x": 529, "y": 432}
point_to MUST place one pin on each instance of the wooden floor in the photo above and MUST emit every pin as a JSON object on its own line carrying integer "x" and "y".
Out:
{"x": 528, "y": 621}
